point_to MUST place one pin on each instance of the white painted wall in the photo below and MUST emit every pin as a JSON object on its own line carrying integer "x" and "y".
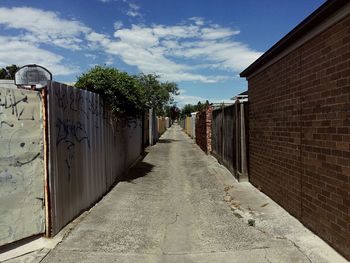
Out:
{"x": 21, "y": 165}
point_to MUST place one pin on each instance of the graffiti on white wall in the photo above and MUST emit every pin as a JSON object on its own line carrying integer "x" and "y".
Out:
{"x": 21, "y": 165}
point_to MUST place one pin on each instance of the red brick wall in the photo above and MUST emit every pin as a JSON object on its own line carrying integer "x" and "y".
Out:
{"x": 203, "y": 129}
{"x": 299, "y": 121}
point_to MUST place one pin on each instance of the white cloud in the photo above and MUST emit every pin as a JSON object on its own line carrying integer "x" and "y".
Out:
{"x": 183, "y": 99}
{"x": 109, "y": 61}
{"x": 137, "y": 36}
{"x": 118, "y": 25}
{"x": 218, "y": 33}
{"x": 176, "y": 32}
{"x": 133, "y": 9}
{"x": 43, "y": 27}
{"x": 197, "y": 20}
{"x": 15, "y": 51}
{"x": 226, "y": 54}
{"x": 97, "y": 38}
{"x": 33, "y": 28}
{"x": 70, "y": 83}
{"x": 90, "y": 56}
{"x": 175, "y": 52}
{"x": 198, "y": 45}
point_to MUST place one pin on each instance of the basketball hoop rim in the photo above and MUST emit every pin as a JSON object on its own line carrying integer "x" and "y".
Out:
{"x": 32, "y": 66}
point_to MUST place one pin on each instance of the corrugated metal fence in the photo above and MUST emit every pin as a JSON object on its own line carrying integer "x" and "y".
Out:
{"x": 229, "y": 138}
{"x": 154, "y": 127}
{"x": 63, "y": 150}
{"x": 89, "y": 150}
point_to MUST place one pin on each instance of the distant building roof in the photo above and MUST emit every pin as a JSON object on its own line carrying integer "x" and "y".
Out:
{"x": 241, "y": 96}
{"x": 220, "y": 105}
{"x": 324, "y": 12}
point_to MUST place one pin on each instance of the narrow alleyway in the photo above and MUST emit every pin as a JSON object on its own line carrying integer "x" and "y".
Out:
{"x": 170, "y": 209}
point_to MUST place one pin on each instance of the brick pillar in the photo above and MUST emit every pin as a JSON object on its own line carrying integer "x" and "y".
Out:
{"x": 208, "y": 120}
{"x": 203, "y": 129}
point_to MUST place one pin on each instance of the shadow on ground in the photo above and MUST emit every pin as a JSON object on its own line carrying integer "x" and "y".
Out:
{"x": 18, "y": 243}
{"x": 166, "y": 141}
{"x": 139, "y": 170}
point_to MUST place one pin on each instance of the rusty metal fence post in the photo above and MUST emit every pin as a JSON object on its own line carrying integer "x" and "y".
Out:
{"x": 44, "y": 109}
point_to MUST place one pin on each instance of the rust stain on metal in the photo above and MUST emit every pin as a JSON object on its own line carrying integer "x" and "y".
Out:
{"x": 46, "y": 164}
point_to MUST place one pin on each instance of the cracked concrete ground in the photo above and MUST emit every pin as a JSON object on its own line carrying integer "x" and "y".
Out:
{"x": 172, "y": 208}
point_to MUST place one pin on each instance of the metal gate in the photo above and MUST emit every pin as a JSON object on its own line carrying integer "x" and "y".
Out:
{"x": 21, "y": 165}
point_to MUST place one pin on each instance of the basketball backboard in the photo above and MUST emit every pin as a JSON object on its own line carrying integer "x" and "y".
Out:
{"x": 33, "y": 75}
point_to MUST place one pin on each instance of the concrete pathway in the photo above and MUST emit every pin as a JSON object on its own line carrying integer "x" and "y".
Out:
{"x": 173, "y": 207}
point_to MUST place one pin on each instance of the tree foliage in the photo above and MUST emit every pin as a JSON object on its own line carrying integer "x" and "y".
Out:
{"x": 189, "y": 108}
{"x": 8, "y": 72}
{"x": 157, "y": 94}
{"x": 128, "y": 95}
{"x": 173, "y": 112}
{"x": 121, "y": 91}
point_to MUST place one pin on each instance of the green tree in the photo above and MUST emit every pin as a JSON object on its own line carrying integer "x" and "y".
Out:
{"x": 199, "y": 106}
{"x": 189, "y": 108}
{"x": 172, "y": 112}
{"x": 3, "y": 73}
{"x": 8, "y": 72}
{"x": 129, "y": 95}
{"x": 121, "y": 91}
{"x": 12, "y": 70}
{"x": 167, "y": 110}
{"x": 158, "y": 95}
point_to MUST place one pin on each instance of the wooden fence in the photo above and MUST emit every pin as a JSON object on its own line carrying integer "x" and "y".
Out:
{"x": 229, "y": 138}
{"x": 188, "y": 124}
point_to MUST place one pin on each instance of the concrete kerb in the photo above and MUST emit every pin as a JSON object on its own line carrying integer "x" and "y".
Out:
{"x": 39, "y": 248}
{"x": 261, "y": 212}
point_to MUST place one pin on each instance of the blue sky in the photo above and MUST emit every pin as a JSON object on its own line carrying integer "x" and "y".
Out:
{"x": 200, "y": 44}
